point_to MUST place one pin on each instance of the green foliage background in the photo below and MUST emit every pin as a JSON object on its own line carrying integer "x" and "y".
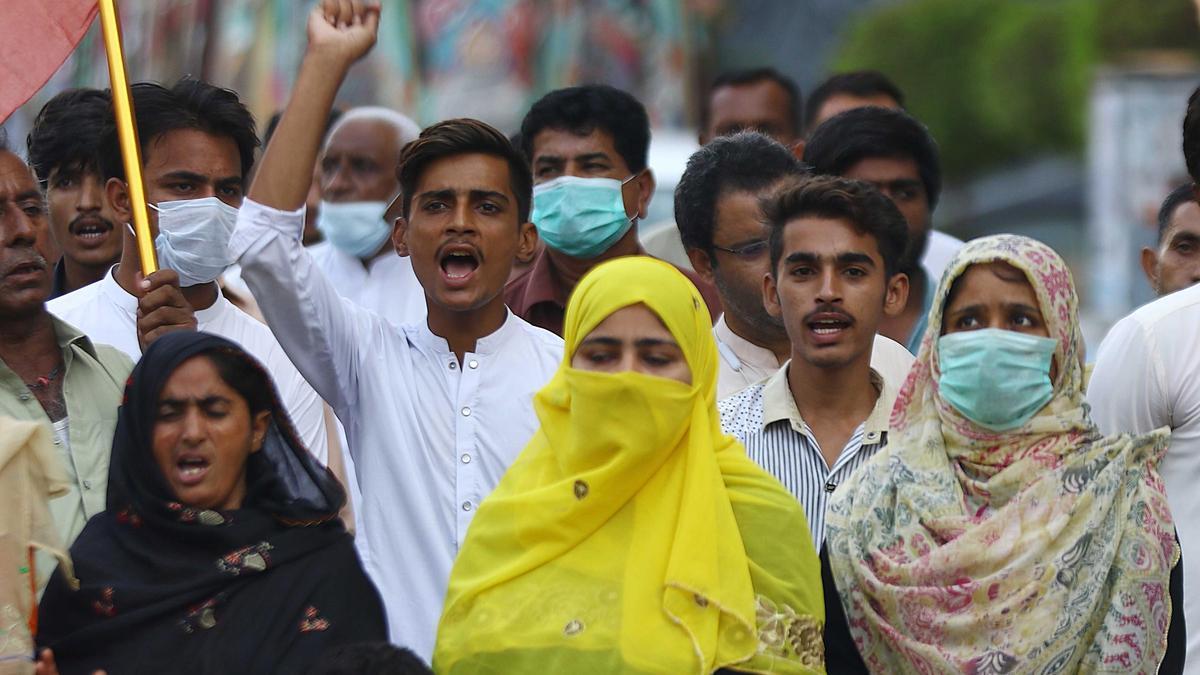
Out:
{"x": 996, "y": 80}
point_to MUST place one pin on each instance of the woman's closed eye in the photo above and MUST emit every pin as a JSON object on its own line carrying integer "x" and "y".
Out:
{"x": 660, "y": 357}
{"x": 599, "y": 355}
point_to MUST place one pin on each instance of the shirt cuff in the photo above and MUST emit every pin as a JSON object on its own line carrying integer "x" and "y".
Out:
{"x": 257, "y": 222}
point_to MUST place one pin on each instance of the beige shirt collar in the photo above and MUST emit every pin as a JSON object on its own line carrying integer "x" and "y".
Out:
{"x": 778, "y": 405}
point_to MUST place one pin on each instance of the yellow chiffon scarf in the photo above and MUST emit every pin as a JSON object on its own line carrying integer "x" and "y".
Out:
{"x": 632, "y": 535}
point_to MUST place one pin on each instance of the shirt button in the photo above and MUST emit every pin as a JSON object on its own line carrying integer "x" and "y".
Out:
{"x": 24, "y": 396}
{"x": 466, "y": 506}
{"x": 466, "y": 412}
{"x": 466, "y": 459}
{"x": 473, "y": 364}
{"x": 830, "y": 486}
{"x": 87, "y": 485}
{"x": 453, "y": 365}
{"x": 57, "y": 441}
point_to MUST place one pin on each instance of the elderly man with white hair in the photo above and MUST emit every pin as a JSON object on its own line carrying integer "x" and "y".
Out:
{"x": 357, "y": 173}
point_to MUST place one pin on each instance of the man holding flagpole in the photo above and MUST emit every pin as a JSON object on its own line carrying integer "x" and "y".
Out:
{"x": 197, "y": 143}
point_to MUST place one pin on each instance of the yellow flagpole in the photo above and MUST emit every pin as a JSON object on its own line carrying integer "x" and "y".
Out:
{"x": 127, "y": 134}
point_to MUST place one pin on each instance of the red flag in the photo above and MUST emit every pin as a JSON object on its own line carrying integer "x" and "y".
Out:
{"x": 36, "y": 37}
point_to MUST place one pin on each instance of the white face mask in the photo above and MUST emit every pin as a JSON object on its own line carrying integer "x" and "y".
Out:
{"x": 193, "y": 238}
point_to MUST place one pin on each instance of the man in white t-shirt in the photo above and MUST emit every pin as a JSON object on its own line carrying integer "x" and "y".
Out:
{"x": 1147, "y": 376}
{"x": 197, "y": 144}
{"x": 434, "y": 411}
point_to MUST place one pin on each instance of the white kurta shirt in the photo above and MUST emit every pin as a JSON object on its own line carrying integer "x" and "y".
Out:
{"x": 430, "y": 438}
{"x": 1147, "y": 376}
{"x": 108, "y": 315}
{"x": 386, "y": 285}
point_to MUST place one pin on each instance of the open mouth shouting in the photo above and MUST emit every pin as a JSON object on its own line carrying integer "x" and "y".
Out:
{"x": 826, "y": 327}
{"x": 90, "y": 231}
{"x": 458, "y": 263}
{"x": 191, "y": 469}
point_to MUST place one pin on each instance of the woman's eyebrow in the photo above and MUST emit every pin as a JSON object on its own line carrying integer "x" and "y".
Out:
{"x": 978, "y": 307}
{"x": 1023, "y": 306}
{"x": 203, "y": 400}
{"x": 601, "y": 340}
{"x": 656, "y": 342}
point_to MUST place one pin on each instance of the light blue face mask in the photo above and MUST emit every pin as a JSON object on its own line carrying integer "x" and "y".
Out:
{"x": 581, "y": 217}
{"x": 355, "y": 228}
{"x": 998, "y": 379}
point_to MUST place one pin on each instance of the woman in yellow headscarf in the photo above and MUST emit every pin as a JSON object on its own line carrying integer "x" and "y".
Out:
{"x": 631, "y": 535}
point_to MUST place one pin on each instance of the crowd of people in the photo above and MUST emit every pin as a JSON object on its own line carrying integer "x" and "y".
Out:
{"x": 401, "y": 399}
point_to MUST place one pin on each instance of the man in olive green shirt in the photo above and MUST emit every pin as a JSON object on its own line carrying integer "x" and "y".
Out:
{"x": 51, "y": 372}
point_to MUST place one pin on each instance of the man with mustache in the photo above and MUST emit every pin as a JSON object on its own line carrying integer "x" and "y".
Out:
{"x": 835, "y": 249}
{"x": 720, "y": 220}
{"x": 434, "y": 411}
{"x": 52, "y": 373}
{"x": 62, "y": 150}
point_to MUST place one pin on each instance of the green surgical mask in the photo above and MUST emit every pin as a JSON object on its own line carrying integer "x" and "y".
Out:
{"x": 998, "y": 379}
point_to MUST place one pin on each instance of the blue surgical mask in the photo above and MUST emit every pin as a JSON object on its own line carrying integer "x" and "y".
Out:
{"x": 193, "y": 238}
{"x": 355, "y": 228}
{"x": 581, "y": 217}
{"x": 998, "y": 379}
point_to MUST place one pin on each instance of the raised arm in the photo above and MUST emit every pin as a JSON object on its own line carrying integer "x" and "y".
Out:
{"x": 321, "y": 332}
{"x": 339, "y": 33}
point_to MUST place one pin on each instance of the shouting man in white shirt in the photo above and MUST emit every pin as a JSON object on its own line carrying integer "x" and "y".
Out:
{"x": 835, "y": 252}
{"x": 435, "y": 411}
{"x": 197, "y": 144}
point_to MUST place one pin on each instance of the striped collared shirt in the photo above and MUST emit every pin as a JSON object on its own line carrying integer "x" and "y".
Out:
{"x": 765, "y": 419}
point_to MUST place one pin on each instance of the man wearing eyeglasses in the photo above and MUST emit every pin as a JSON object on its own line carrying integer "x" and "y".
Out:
{"x": 721, "y": 224}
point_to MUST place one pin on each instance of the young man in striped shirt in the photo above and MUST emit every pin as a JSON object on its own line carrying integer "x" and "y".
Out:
{"x": 835, "y": 249}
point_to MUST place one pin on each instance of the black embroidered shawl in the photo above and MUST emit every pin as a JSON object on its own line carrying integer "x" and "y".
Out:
{"x": 170, "y": 588}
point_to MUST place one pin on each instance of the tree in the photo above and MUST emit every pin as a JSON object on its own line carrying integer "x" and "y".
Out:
{"x": 996, "y": 80}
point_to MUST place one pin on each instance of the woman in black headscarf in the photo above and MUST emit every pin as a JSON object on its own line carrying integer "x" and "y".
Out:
{"x": 221, "y": 549}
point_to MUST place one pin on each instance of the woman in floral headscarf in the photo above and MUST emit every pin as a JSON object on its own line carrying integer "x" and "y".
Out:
{"x": 999, "y": 531}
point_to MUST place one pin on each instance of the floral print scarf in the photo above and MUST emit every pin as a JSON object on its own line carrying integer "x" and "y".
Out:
{"x": 1044, "y": 549}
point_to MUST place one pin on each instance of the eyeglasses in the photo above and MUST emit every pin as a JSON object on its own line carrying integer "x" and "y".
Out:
{"x": 747, "y": 252}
